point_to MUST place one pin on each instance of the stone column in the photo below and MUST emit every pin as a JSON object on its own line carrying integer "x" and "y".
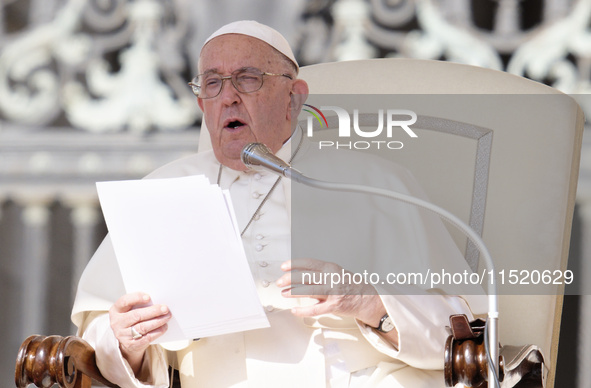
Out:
{"x": 35, "y": 262}
{"x": 84, "y": 217}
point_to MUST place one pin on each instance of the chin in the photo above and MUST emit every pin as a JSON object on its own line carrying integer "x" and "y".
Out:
{"x": 234, "y": 147}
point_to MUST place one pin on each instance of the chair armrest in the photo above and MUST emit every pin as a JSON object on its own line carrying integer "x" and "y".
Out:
{"x": 46, "y": 360}
{"x": 466, "y": 361}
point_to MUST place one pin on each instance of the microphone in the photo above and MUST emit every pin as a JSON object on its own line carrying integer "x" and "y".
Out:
{"x": 256, "y": 155}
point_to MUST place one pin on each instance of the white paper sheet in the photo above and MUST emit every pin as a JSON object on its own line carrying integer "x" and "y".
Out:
{"x": 177, "y": 240}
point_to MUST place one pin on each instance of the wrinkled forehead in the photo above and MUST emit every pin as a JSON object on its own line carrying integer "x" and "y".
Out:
{"x": 230, "y": 52}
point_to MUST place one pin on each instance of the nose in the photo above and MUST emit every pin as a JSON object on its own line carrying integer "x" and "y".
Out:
{"x": 229, "y": 95}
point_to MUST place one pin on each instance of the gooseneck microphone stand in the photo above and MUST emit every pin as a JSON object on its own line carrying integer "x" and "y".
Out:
{"x": 258, "y": 155}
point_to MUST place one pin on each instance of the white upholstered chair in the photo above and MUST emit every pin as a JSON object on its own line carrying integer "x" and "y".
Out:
{"x": 504, "y": 158}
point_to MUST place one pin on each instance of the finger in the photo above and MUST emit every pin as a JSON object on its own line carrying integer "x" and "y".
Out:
{"x": 129, "y": 301}
{"x": 302, "y": 276}
{"x": 313, "y": 310}
{"x": 284, "y": 280}
{"x": 156, "y": 333}
{"x": 146, "y": 327}
{"x": 328, "y": 287}
{"x": 140, "y": 344}
{"x": 122, "y": 322}
{"x": 298, "y": 277}
{"x": 319, "y": 292}
{"x": 143, "y": 314}
{"x": 286, "y": 265}
{"x": 125, "y": 334}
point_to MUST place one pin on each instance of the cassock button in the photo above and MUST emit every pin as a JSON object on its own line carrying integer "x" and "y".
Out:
{"x": 257, "y": 217}
{"x": 259, "y": 247}
{"x": 263, "y": 263}
{"x": 259, "y": 236}
{"x": 256, "y": 195}
{"x": 265, "y": 283}
{"x": 257, "y": 176}
{"x": 269, "y": 308}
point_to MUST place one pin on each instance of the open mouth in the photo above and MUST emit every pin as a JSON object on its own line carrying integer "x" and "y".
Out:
{"x": 235, "y": 124}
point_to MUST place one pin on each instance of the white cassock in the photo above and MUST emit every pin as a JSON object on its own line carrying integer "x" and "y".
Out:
{"x": 298, "y": 352}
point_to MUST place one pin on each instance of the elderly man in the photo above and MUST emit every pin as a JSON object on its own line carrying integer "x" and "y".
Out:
{"x": 249, "y": 92}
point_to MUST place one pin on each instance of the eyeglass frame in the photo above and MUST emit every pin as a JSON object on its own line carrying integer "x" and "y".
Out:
{"x": 231, "y": 77}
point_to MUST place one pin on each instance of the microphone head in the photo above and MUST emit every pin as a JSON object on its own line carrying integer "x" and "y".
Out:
{"x": 252, "y": 153}
{"x": 258, "y": 155}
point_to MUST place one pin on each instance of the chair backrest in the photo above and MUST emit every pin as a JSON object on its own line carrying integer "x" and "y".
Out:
{"x": 499, "y": 151}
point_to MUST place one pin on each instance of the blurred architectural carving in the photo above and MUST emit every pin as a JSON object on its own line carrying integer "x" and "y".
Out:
{"x": 96, "y": 90}
{"x": 63, "y": 67}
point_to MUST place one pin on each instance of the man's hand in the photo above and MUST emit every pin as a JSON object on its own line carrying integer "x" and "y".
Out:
{"x": 360, "y": 301}
{"x": 133, "y": 311}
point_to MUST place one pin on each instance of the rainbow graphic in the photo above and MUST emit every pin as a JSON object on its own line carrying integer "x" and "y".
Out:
{"x": 316, "y": 113}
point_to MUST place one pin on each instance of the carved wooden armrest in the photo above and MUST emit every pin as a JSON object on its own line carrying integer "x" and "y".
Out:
{"x": 465, "y": 354}
{"x": 466, "y": 361}
{"x": 69, "y": 362}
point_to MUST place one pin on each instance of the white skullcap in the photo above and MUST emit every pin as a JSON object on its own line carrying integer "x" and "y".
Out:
{"x": 260, "y": 31}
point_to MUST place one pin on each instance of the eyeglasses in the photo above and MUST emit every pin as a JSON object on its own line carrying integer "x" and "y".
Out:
{"x": 246, "y": 80}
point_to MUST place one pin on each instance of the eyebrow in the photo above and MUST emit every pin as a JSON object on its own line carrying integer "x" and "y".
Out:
{"x": 209, "y": 71}
{"x": 215, "y": 70}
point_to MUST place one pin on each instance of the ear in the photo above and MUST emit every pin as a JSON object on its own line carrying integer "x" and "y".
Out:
{"x": 299, "y": 94}
{"x": 200, "y": 103}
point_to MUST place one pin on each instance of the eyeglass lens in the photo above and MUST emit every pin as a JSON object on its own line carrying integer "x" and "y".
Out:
{"x": 244, "y": 80}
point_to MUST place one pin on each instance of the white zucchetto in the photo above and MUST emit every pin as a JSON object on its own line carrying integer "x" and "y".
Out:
{"x": 259, "y": 31}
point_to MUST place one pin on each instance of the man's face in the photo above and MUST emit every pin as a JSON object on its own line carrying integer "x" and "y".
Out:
{"x": 235, "y": 119}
